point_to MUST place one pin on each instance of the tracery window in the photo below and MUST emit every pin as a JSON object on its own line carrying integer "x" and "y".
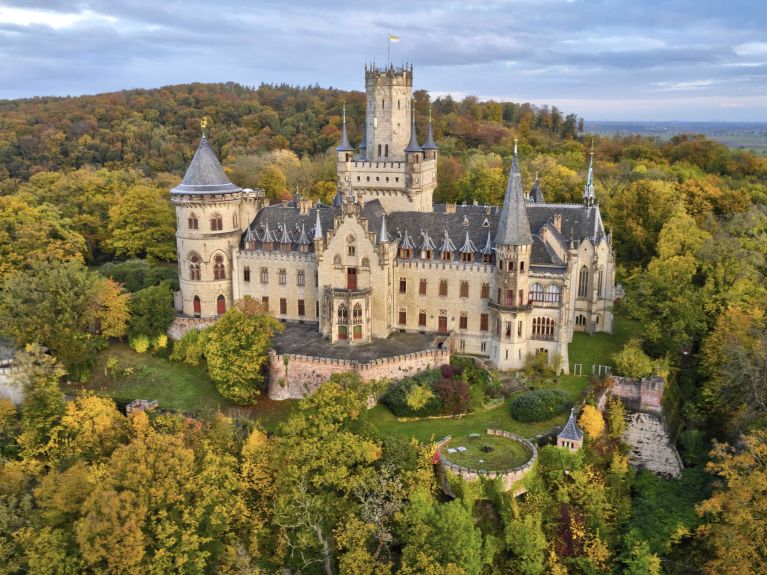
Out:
{"x": 194, "y": 267}
{"x": 219, "y": 269}
{"x": 583, "y": 282}
{"x": 600, "y": 280}
{"x": 543, "y": 328}
{"x": 216, "y": 223}
{"x": 536, "y": 292}
{"x": 343, "y": 314}
{"x": 357, "y": 314}
{"x": 553, "y": 293}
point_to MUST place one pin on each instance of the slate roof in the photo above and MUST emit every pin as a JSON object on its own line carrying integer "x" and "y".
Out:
{"x": 571, "y": 430}
{"x": 536, "y": 194}
{"x": 513, "y": 228}
{"x": 205, "y": 174}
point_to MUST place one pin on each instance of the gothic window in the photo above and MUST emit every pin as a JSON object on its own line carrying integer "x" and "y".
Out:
{"x": 463, "y": 322}
{"x": 580, "y": 320}
{"x": 600, "y": 279}
{"x": 483, "y": 322}
{"x": 246, "y": 274}
{"x": 402, "y": 285}
{"x": 405, "y": 253}
{"x": 216, "y": 223}
{"x": 264, "y": 275}
{"x": 553, "y": 293}
{"x": 351, "y": 250}
{"x": 464, "y": 289}
{"x": 536, "y": 292}
{"x": 447, "y": 256}
{"x": 357, "y": 314}
{"x": 379, "y": 154}
{"x": 220, "y": 305}
{"x": 300, "y": 278}
{"x": 485, "y": 291}
{"x": 467, "y": 256}
{"x": 583, "y": 282}
{"x": 196, "y": 306}
{"x": 219, "y": 269}
{"x": 194, "y": 267}
{"x": 422, "y": 287}
{"x": 402, "y": 316}
{"x": 193, "y": 222}
{"x": 543, "y": 328}
{"x": 283, "y": 277}
{"x": 343, "y": 314}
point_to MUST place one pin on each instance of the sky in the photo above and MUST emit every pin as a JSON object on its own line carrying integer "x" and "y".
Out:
{"x": 694, "y": 60}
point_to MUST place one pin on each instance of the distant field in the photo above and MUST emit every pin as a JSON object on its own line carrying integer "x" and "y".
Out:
{"x": 737, "y": 135}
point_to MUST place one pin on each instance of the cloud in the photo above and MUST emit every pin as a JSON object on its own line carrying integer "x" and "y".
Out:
{"x": 581, "y": 53}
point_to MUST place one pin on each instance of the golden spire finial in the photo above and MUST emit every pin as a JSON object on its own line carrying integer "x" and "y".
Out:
{"x": 204, "y": 126}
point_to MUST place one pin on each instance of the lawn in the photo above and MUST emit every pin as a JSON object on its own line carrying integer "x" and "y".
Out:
{"x": 175, "y": 386}
{"x": 598, "y": 349}
{"x": 499, "y": 417}
{"x": 487, "y": 452}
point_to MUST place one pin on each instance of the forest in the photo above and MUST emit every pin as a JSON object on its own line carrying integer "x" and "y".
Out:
{"x": 86, "y": 260}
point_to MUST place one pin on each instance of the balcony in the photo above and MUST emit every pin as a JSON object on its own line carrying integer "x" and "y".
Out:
{"x": 509, "y": 308}
{"x": 542, "y": 337}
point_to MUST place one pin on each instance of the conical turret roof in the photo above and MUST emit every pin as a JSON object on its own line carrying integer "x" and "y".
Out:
{"x": 205, "y": 174}
{"x": 429, "y": 143}
{"x": 413, "y": 145}
{"x": 571, "y": 430}
{"x": 345, "y": 146}
{"x": 513, "y": 226}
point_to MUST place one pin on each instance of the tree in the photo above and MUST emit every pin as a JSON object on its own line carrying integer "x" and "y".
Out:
{"x": 142, "y": 223}
{"x": 236, "y": 349}
{"x": 91, "y": 428}
{"x": 735, "y": 515}
{"x": 62, "y": 306}
{"x": 591, "y": 421}
{"x": 641, "y": 561}
{"x": 527, "y": 542}
{"x": 632, "y": 361}
{"x": 114, "y": 308}
{"x": 32, "y": 234}
{"x": 151, "y": 311}
{"x": 616, "y": 418}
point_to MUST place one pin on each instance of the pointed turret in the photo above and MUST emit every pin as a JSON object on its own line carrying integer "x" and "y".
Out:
{"x": 513, "y": 226}
{"x": 427, "y": 245}
{"x": 588, "y": 190}
{"x": 468, "y": 246}
{"x": 303, "y": 238}
{"x": 205, "y": 174}
{"x": 413, "y": 146}
{"x": 447, "y": 244}
{"x": 571, "y": 436}
{"x": 383, "y": 235}
{"x": 338, "y": 199}
{"x": 429, "y": 143}
{"x": 488, "y": 248}
{"x": 317, "y": 227}
{"x": 536, "y": 194}
{"x": 345, "y": 146}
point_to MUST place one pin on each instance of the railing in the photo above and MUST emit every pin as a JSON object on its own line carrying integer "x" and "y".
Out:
{"x": 513, "y": 308}
{"x": 542, "y": 337}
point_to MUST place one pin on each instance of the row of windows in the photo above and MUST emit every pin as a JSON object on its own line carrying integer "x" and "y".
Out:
{"x": 543, "y": 328}
{"x": 463, "y": 320}
{"x": 343, "y": 314}
{"x": 583, "y": 282}
{"x": 463, "y": 288}
{"x": 300, "y": 306}
{"x": 552, "y": 293}
{"x": 219, "y": 268}
{"x": 511, "y": 265}
{"x": 467, "y": 257}
{"x": 282, "y": 276}
{"x": 216, "y": 222}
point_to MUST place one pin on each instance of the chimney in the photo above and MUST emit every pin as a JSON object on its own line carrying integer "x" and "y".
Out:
{"x": 449, "y": 208}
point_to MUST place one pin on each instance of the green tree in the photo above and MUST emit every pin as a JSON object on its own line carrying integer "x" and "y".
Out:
{"x": 482, "y": 184}
{"x": 236, "y": 349}
{"x": 142, "y": 223}
{"x": 632, "y": 361}
{"x": 151, "y": 311}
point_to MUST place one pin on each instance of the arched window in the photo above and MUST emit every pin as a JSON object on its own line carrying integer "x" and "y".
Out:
{"x": 343, "y": 314}
{"x": 553, "y": 293}
{"x": 386, "y": 150}
{"x": 580, "y": 320}
{"x": 536, "y": 292}
{"x": 216, "y": 223}
{"x": 600, "y": 280}
{"x": 194, "y": 267}
{"x": 357, "y": 314}
{"x": 219, "y": 269}
{"x": 543, "y": 328}
{"x": 583, "y": 282}
{"x": 235, "y": 221}
{"x": 193, "y": 222}
{"x": 379, "y": 150}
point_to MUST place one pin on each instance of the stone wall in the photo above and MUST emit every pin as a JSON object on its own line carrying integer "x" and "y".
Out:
{"x": 509, "y": 477}
{"x": 181, "y": 325}
{"x": 293, "y": 376}
{"x": 8, "y": 387}
{"x": 643, "y": 395}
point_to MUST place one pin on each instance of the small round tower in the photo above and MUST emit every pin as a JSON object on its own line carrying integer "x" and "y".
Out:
{"x": 209, "y": 223}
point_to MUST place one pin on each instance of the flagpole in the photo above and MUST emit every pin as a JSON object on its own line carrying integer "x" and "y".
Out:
{"x": 388, "y": 50}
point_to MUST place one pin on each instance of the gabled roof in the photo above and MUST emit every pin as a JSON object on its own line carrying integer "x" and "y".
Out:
{"x": 571, "y": 430}
{"x": 205, "y": 174}
{"x": 513, "y": 227}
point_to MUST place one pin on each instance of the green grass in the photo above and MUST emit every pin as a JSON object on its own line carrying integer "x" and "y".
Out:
{"x": 175, "y": 386}
{"x": 598, "y": 349}
{"x": 504, "y": 453}
{"x": 426, "y": 430}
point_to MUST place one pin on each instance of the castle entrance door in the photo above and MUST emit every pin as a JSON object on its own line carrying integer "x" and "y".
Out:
{"x": 442, "y": 325}
{"x": 220, "y": 305}
{"x": 351, "y": 279}
{"x": 197, "y": 306}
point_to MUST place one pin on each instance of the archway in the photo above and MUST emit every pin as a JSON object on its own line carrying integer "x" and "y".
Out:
{"x": 197, "y": 306}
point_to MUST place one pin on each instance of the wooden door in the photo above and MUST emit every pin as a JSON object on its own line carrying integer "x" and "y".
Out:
{"x": 197, "y": 306}
{"x": 351, "y": 278}
{"x": 220, "y": 305}
{"x": 443, "y": 324}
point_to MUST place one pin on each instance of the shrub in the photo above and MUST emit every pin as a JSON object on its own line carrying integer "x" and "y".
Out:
{"x": 418, "y": 396}
{"x": 539, "y": 405}
{"x": 396, "y": 396}
{"x": 190, "y": 349}
{"x": 591, "y": 421}
{"x": 151, "y": 311}
{"x": 139, "y": 343}
{"x": 632, "y": 361}
{"x": 160, "y": 342}
{"x": 454, "y": 394}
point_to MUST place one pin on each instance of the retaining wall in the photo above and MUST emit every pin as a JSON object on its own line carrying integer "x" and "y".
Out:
{"x": 643, "y": 395}
{"x": 181, "y": 325}
{"x": 509, "y": 477}
{"x": 293, "y": 376}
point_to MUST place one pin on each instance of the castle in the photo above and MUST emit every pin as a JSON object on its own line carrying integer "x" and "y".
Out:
{"x": 506, "y": 282}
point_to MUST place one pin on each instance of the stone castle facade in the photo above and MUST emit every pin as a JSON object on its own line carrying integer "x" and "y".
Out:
{"x": 506, "y": 282}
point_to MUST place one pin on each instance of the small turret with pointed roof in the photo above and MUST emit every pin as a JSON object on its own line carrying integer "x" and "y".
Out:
{"x": 345, "y": 146}
{"x": 205, "y": 174}
{"x": 513, "y": 225}
{"x": 317, "y": 226}
{"x": 383, "y": 234}
{"x": 429, "y": 143}
{"x": 589, "y": 197}
{"x": 571, "y": 435}
{"x": 413, "y": 146}
{"x": 536, "y": 194}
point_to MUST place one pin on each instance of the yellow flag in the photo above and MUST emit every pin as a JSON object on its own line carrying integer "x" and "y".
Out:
{"x": 393, "y": 38}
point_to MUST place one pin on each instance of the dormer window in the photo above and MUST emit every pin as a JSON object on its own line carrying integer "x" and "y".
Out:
{"x": 426, "y": 254}
{"x": 447, "y": 256}
{"x": 405, "y": 253}
{"x": 467, "y": 257}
